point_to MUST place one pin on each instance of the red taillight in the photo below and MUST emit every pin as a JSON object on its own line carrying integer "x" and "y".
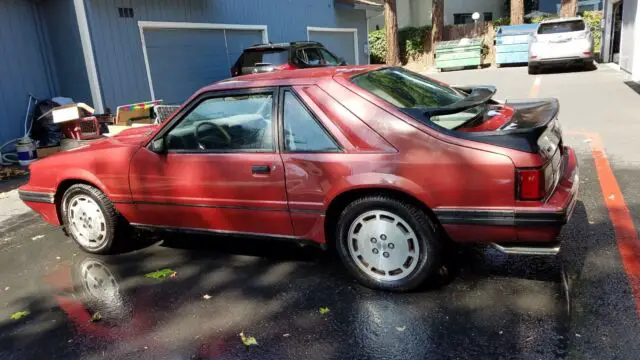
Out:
{"x": 587, "y": 52}
{"x": 284, "y": 67}
{"x": 531, "y": 184}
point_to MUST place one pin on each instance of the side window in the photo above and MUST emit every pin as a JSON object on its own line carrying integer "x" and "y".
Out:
{"x": 302, "y": 133}
{"x": 329, "y": 58}
{"x": 226, "y": 124}
{"x": 313, "y": 57}
{"x": 299, "y": 57}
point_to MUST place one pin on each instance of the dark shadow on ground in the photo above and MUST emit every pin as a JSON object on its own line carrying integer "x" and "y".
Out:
{"x": 574, "y": 68}
{"x": 633, "y": 86}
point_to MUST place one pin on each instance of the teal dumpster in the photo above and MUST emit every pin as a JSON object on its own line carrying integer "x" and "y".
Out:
{"x": 459, "y": 53}
{"x": 512, "y": 43}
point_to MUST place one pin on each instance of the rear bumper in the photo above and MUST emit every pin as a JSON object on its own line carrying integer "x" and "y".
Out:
{"x": 567, "y": 60}
{"x": 536, "y": 224}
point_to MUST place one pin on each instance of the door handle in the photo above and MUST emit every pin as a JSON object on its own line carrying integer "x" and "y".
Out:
{"x": 261, "y": 169}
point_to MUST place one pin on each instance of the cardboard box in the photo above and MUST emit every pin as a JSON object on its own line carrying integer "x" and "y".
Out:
{"x": 47, "y": 151}
{"x": 71, "y": 112}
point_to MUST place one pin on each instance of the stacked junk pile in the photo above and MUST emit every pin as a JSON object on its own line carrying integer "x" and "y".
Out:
{"x": 53, "y": 125}
{"x": 59, "y": 124}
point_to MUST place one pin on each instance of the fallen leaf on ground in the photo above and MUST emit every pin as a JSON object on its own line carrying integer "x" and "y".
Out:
{"x": 7, "y": 288}
{"x": 401, "y": 328}
{"x": 324, "y": 310}
{"x": 247, "y": 340}
{"x": 206, "y": 296}
{"x": 96, "y": 317}
{"x": 160, "y": 274}
{"x": 57, "y": 257}
{"x": 37, "y": 237}
{"x": 19, "y": 315}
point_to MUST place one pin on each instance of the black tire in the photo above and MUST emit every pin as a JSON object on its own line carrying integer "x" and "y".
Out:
{"x": 429, "y": 239}
{"x": 533, "y": 70}
{"x": 112, "y": 226}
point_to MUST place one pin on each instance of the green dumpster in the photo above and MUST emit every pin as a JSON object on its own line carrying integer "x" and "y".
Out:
{"x": 459, "y": 53}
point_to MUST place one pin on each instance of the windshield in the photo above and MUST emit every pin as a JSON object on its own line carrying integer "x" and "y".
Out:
{"x": 410, "y": 92}
{"x": 561, "y": 27}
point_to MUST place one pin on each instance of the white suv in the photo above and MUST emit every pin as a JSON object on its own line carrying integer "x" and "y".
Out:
{"x": 560, "y": 42}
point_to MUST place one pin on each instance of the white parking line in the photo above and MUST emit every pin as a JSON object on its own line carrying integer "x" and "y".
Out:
{"x": 535, "y": 89}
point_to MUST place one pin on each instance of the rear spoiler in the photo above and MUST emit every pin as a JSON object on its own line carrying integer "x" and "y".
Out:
{"x": 477, "y": 96}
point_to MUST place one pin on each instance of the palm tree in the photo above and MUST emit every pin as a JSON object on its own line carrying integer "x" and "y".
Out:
{"x": 517, "y": 12}
{"x": 391, "y": 32}
{"x": 568, "y": 8}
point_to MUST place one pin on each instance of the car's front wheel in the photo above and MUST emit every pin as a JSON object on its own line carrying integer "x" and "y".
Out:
{"x": 388, "y": 244}
{"x": 90, "y": 218}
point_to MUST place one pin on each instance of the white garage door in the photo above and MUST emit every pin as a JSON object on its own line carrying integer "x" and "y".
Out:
{"x": 182, "y": 60}
{"x": 340, "y": 41}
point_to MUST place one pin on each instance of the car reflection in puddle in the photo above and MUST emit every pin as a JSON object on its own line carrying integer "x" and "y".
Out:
{"x": 515, "y": 305}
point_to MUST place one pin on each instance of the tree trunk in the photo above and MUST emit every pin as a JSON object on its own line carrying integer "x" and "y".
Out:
{"x": 391, "y": 31}
{"x": 437, "y": 23}
{"x": 517, "y": 12}
{"x": 568, "y": 8}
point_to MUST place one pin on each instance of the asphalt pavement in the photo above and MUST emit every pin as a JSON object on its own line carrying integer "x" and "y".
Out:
{"x": 298, "y": 303}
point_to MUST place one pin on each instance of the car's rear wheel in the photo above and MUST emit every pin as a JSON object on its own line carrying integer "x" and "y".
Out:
{"x": 533, "y": 69}
{"x": 388, "y": 244}
{"x": 90, "y": 218}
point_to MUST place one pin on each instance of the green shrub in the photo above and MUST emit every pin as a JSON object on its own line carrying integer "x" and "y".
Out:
{"x": 411, "y": 43}
{"x": 377, "y": 46}
{"x": 501, "y": 22}
{"x": 592, "y": 19}
{"x": 538, "y": 19}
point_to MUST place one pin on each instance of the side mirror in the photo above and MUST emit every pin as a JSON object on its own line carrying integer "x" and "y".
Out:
{"x": 342, "y": 61}
{"x": 158, "y": 146}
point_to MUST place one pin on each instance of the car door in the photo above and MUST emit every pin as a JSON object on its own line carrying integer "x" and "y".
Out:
{"x": 219, "y": 169}
{"x": 313, "y": 160}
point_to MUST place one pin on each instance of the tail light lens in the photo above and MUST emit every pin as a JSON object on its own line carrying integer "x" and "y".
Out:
{"x": 284, "y": 67}
{"x": 530, "y": 184}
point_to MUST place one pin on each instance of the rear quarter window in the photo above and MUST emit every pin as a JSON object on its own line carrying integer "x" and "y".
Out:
{"x": 561, "y": 27}
{"x": 265, "y": 57}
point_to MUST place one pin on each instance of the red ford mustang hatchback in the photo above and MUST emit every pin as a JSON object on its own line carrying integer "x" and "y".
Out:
{"x": 383, "y": 164}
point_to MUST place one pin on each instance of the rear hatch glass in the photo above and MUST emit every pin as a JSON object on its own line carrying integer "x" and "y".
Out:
{"x": 561, "y": 27}
{"x": 468, "y": 113}
{"x": 263, "y": 59}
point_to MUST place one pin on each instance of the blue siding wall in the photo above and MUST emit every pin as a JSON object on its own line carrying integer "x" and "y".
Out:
{"x": 61, "y": 27}
{"x": 23, "y": 68}
{"x": 348, "y": 18}
{"x": 549, "y": 6}
{"x": 118, "y": 48}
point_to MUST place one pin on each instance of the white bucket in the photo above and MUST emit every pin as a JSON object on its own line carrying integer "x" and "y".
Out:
{"x": 26, "y": 150}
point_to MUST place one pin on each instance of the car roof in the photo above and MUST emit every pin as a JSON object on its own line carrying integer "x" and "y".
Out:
{"x": 290, "y": 77}
{"x": 559, "y": 20}
{"x": 283, "y": 45}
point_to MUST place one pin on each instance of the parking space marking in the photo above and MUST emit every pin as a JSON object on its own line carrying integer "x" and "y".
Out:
{"x": 535, "y": 89}
{"x": 620, "y": 215}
